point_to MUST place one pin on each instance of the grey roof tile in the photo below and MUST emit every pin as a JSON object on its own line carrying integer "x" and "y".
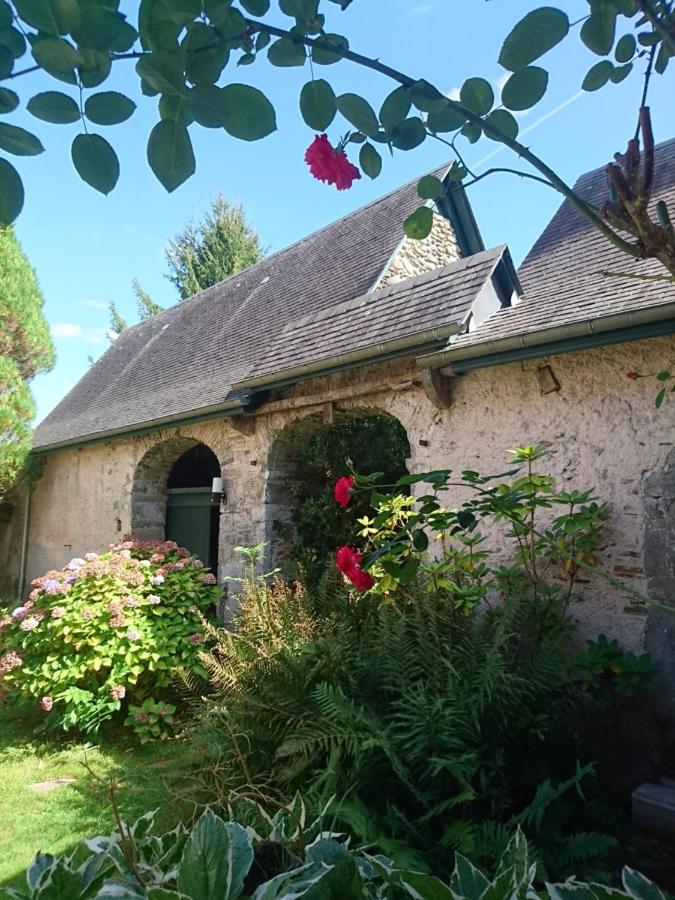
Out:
{"x": 561, "y": 275}
{"x": 429, "y": 301}
{"x": 186, "y": 358}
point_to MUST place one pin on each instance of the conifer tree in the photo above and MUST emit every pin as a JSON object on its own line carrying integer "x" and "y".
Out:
{"x": 25, "y": 349}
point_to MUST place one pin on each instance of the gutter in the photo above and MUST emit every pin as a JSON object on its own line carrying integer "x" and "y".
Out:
{"x": 575, "y": 336}
{"x": 24, "y": 545}
{"x": 214, "y": 411}
{"x": 373, "y": 353}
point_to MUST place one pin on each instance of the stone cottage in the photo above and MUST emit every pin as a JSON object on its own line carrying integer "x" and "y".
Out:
{"x": 469, "y": 356}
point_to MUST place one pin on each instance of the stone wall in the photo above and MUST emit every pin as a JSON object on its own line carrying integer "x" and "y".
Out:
{"x": 604, "y": 431}
{"x": 415, "y": 257}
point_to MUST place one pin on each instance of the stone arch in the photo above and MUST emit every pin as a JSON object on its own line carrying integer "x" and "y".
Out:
{"x": 286, "y": 475}
{"x": 173, "y": 465}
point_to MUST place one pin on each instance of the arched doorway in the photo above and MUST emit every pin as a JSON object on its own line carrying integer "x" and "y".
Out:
{"x": 173, "y": 499}
{"x": 303, "y": 524}
{"x": 192, "y": 510}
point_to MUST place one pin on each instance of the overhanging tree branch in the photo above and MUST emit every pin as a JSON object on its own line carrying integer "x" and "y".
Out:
{"x": 490, "y": 131}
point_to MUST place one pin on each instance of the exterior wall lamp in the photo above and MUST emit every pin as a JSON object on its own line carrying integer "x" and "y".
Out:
{"x": 217, "y": 492}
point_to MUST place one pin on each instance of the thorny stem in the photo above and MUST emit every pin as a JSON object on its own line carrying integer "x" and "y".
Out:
{"x": 507, "y": 171}
{"x": 645, "y": 89}
{"x": 490, "y": 131}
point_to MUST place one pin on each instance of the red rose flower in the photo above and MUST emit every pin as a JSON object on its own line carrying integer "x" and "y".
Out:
{"x": 361, "y": 580}
{"x": 632, "y": 375}
{"x": 342, "y": 491}
{"x": 329, "y": 164}
{"x": 348, "y": 561}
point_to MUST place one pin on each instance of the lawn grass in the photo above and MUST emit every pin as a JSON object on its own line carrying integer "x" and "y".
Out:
{"x": 57, "y": 820}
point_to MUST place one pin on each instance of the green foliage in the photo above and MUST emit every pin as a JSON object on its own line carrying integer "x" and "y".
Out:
{"x": 185, "y": 50}
{"x": 605, "y": 661}
{"x": 401, "y": 528}
{"x": 199, "y": 256}
{"x": 417, "y": 701}
{"x": 418, "y": 714}
{"x": 152, "y": 720}
{"x": 118, "y": 323}
{"x": 369, "y": 444}
{"x": 25, "y": 349}
{"x": 666, "y": 375}
{"x": 126, "y": 619}
{"x": 221, "y": 244}
{"x": 145, "y": 305}
{"x": 222, "y": 860}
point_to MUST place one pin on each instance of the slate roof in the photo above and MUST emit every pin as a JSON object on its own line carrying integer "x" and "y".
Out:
{"x": 186, "y": 358}
{"x": 560, "y": 276}
{"x": 416, "y": 309}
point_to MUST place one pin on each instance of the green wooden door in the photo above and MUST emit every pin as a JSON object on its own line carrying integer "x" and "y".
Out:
{"x": 189, "y": 518}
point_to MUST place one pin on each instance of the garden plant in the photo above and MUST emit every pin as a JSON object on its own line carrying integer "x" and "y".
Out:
{"x": 105, "y": 634}
{"x": 223, "y": 860}
{"x": 414, "y": 689}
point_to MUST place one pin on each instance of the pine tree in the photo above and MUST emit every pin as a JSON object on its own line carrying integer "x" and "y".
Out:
{"x": 221, "y": 244}
{"x": 145, "y": 305}
{"x": 25, "y": 349}
{"x": 118, "y": 323}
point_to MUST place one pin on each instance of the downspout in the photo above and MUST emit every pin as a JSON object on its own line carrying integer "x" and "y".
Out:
{"x": 24, "y": 544}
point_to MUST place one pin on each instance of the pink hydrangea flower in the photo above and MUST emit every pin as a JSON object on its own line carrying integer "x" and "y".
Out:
{"x": 20, "y": 613}
{"x": 154, "y": 599}
{"x": 75, "y": 564}
{"x": 198, "y": 564}
{"x": 208, "y": 578}
{"x": 10, "y": 661}
{"x": 91, "y": 557}
{"x": 58, "y": 612}
{"x": 157, "y": 580}
{"x": 133, "y": 635}
{"x": 30, "y": 624}
{"x": 144, "y": 563}
{"x": 118, "y": 692}
{"x": 88, "y": 613}
{"x": 195, "y": 639}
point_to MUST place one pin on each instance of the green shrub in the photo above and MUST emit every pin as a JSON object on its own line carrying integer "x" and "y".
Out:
{"x": 419, "y": 696}
{"x": 368, "y": 444}
{"x": 107, "y": 631}
{"x": 420, "y": 715}
{"x": 285, "y": 859}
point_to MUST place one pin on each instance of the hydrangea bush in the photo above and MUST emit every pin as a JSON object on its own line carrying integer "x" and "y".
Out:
{"x": 107, "y": 632}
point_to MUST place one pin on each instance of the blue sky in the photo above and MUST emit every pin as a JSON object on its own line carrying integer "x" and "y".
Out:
{"x": 87, "y": 248}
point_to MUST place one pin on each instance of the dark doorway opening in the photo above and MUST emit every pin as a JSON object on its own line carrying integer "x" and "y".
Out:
{"x": 192, "y": 510}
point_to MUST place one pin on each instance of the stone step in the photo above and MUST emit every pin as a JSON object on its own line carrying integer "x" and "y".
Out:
{"x": 654, "y": 809}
